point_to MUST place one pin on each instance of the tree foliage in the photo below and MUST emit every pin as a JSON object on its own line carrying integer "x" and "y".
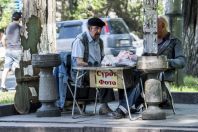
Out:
{"x": 79, "y": 9}
{"x": 129, "y": 10}
{"x": 89, "y": 8}
{"x": 5, "y": 12}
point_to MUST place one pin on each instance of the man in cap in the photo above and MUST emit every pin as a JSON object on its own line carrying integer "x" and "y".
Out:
{"x": 87, "y": 49}
{"x": 13, "y": 48}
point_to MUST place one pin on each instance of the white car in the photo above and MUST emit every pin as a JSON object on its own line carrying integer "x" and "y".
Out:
{"x": 138, "y": 44}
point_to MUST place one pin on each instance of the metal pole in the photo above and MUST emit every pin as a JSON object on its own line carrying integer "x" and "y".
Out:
{"x": 151, "y": 64}
{"x": 150, "y": 26}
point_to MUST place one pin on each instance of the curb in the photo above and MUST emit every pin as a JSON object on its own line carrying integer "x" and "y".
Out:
{"x": 178, "y": 97}
{"x": 7, "y": 110}
{"x": 185, "y": 97}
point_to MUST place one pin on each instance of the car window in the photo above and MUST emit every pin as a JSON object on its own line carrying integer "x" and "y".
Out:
{"x": 117, "y": 27}
{"x": 70, "y": 31}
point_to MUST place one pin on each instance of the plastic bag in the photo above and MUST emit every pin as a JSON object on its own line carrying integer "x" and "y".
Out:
{"x": 125, "y": 58}
{"x": 109, "y": 60}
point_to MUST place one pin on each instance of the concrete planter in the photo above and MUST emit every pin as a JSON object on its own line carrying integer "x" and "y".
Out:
{"x": 7, "y": 110}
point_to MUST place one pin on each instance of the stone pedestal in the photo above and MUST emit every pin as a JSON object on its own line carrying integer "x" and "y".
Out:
{"x": 152, "y": 66}
{"x": 47, "y": 84}
{"x": 153, "y": 96}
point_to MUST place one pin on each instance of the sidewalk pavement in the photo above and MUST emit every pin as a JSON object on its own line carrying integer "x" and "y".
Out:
{"x": 10, "y": 81}
{"x": 185, "y": 119}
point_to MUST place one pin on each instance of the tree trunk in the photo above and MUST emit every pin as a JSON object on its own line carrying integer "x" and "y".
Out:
{"x": 41, "y": 15}
{"x": 191, "y": 35}
{"x": 38, "y": 36}
{"x": 173, "y": 10}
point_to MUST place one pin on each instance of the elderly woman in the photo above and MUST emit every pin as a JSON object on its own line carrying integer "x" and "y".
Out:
{"x": 169, "y": 46}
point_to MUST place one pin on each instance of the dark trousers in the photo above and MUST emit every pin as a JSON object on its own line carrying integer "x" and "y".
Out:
{"x": 133, "y": 92}
{"x": 106, "y": 95}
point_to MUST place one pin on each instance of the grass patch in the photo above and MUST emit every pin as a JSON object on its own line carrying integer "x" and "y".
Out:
{"x": 190, "y": 85}
{"x": 7, "y": 97}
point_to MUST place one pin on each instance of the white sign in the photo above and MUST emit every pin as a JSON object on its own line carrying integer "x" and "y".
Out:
{"x": 106, "y": 79}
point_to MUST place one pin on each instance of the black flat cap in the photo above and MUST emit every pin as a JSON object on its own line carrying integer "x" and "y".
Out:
{"x": 95, "y": 22}
{"x": 16, "y": 16}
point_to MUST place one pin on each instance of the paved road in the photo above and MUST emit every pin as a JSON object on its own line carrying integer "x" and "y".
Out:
{"x": 10, "y": 82}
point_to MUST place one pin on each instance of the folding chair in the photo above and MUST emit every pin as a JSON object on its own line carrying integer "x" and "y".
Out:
{"x": 84, "y": 95}
{"x": 169, "y": 96}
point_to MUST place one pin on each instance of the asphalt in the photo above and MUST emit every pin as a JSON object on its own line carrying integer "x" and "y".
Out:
{"x": 10, "y": 81}
{"x": 185, "y": 119}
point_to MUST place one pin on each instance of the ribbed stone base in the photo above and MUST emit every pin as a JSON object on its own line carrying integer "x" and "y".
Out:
{"x": 48, "y": 110}
{"x": 153, "y": 113}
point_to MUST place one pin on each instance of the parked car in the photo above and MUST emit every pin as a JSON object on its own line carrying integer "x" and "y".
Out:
{"x": 138, "y": 44}
{"x": 115, "y": 35}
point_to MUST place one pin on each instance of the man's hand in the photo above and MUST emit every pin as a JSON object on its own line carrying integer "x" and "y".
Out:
{"x": 80, "y": 62}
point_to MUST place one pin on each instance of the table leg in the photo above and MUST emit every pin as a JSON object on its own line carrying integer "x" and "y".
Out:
{"x": 96, "y": 99}
{"x": 74, "y": 98}
{"x": 126, "y": 97}
{"x": 75, "y": 90}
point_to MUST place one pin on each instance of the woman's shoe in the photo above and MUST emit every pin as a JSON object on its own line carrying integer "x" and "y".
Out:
{"x": 104, "y": 109}
{"x": 118, "y": 114}
{"x": 137, "y": 109}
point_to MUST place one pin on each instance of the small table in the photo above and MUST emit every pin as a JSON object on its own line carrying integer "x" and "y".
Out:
{"x": 103, "y": 77}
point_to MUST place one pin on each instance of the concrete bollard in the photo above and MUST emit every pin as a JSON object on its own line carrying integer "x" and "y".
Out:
{"x": 153, "y": 97}
{"x": 152, "y": 66}
{"x": 47, "y": 84}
